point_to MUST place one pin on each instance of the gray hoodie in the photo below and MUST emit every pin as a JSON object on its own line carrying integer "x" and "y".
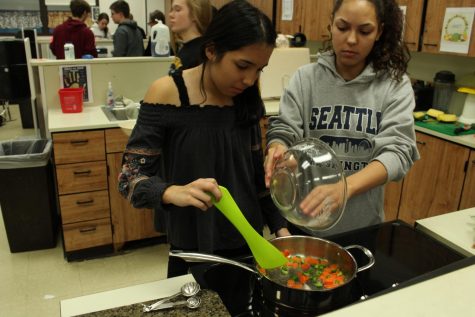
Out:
{"x": 128, "y": 40}
{"x": 365, "y": 119}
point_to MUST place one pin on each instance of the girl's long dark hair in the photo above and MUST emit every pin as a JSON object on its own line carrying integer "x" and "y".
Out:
{"x": 389, "y": 53}
{"x": 103, "y": 16}
{"x": 236, "y": 25}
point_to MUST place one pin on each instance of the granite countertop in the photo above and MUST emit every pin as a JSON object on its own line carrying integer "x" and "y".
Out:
{"x": 211, "y": 306}
{"x": 127, "y": 301}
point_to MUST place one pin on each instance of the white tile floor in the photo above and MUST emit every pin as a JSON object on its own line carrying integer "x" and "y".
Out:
{"x": 33, "y": 283}
{"x": 36, "y": 281}
{"x": 13, "y": 129}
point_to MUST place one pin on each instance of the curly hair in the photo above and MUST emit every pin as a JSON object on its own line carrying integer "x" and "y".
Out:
{"x": 389, "y": 54}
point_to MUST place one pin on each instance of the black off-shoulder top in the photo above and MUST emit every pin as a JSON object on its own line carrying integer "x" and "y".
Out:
{"x": 177, "y": 145}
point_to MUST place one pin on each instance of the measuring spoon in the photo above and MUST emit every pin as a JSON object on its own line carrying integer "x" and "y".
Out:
{"x": 192, "y": 302}
{"x": 188, "y": 289}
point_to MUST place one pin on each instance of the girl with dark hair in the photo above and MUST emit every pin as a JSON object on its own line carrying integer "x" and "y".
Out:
{"x": 99, "y": 28}
{"x": 199, "y": 128}
{"x": 357, "y": 99}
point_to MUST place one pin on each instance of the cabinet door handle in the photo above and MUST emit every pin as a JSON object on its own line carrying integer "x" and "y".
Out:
{"x": 84, "y": 202}
{"x": 82, "y": 172}
{"x": 325, "y": 36}
{"x": 86, "y": 230}
{"x": 431, "y": 44}
{"x": 79, "y": 142}
{"x": 410, "y": 43}
{"x": 421, "y": 142}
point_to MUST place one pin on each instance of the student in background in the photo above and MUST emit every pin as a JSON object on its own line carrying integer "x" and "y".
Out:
{"x": 188, "y": 20}
{"x": 199, "y": 128}
{"x": 154, "y": 16}
{"x": 128, "y": 40}
{"x": 358, "y": 99}
{"x": 74, "y": 31}
{"x": 99, "y": 28}
{"x": 142, "y": 31}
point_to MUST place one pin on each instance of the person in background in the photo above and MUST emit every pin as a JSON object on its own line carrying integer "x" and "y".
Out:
{"x": 74, "y": 31}
{"x": 99, "y": 28}
{"x": 154, "y": 16}
{"x": 199, "y": 128}
{"x": 358, "y": 99}
{"x": 128, "y": 40}
{"x": 188, "y": 20}
{"x": 142, "y": 31}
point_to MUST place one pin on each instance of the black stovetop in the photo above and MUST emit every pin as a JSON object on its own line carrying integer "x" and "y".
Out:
{"x": 403, "y": 256}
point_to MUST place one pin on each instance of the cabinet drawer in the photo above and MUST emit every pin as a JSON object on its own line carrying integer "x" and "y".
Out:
{"x": 81, "y": 177}
{"x": 84, "y": 206}
{"x": 73, "y": 147}
{"x": 116, "y": 140}
{"x": 87, "y": 234}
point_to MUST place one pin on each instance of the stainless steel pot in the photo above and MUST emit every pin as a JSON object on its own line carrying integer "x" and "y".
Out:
{"x": 302, "y": 299}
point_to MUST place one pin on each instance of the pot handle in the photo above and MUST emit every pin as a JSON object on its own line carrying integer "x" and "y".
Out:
{"x": 366, "y": 252}
{"x": 203, "y": 257}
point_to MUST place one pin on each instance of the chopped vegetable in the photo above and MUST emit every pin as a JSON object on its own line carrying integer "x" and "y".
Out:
{"x": 307, "y": 272}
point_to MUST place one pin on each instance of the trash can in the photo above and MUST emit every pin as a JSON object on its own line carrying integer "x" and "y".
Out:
{"x": 27, "y": 194}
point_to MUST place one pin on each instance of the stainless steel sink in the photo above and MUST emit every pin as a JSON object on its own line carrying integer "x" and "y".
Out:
{"x": 118, "y": 114}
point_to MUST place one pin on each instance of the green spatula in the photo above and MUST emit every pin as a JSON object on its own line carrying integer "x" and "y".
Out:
{"x": 265, "y": 253}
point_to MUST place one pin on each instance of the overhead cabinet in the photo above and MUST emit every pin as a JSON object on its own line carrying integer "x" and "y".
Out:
{"x": 308, "y": 16}
{"x": 412, "y": 22}
{"x": 434, "y": 25}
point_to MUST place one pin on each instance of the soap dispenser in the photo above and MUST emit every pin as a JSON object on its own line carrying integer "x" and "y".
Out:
{"x": 110, "y": 96}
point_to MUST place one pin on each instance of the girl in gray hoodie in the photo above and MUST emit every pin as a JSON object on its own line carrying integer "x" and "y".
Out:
{"x": 358, "y": 99}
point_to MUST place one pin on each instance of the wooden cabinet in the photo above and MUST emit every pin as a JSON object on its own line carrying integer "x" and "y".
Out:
{"x": 264, "y": 124}
{"x": 317, "y": 19}
{"x": 413, "y": 22}
{"x": 433, "y": 24}
{"x": 309, "y": 17}
{"x": 468, "y": 193}
{"x": 81, "y": 175}
{"x": 392, "y": 199}
{"x": 296, "y": 24}
{"x": 129, "y": 223}
{"x": 434, "y": 184}
{"x": 93, "y": 213}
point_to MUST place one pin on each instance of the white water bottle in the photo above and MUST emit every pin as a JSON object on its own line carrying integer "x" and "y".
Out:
{"x": 160, "y": 39}
{"x": 69, "y": 51}
{"x": 110, "y": 96}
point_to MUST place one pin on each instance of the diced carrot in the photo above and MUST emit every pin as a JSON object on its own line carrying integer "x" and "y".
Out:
{"x": 305, "y": 266}
{"x": 286, "y": 252}
{"x": 303, "y": 279}
{"x": 296, "y": 259}
{"x": 311, "y": 260}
